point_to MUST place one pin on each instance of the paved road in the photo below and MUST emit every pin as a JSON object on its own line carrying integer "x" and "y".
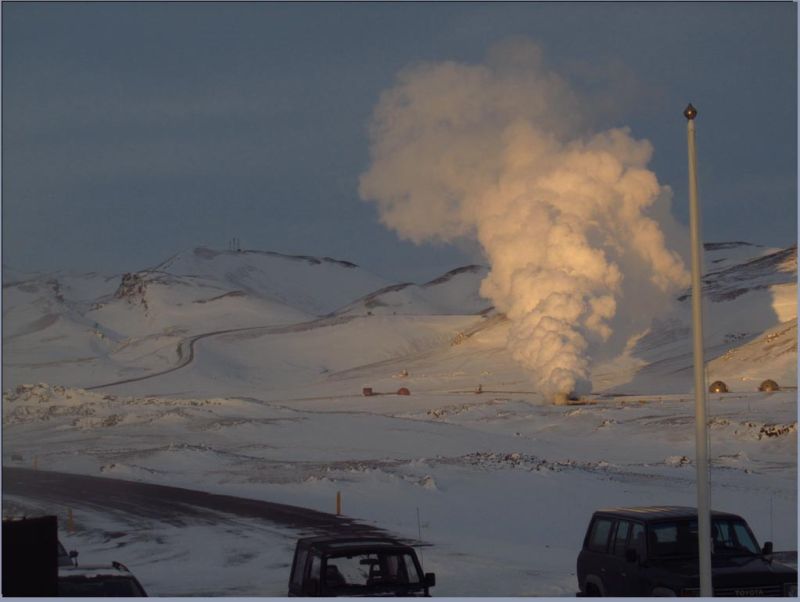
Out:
{"x": 185, "y": 352}
{"x": 185, "y": 348}
{"x": 173, "y": 505}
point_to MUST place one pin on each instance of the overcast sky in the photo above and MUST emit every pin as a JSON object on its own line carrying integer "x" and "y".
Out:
{"x": 132, "y": 131}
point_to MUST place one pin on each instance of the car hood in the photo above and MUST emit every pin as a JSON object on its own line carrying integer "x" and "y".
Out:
{"x": 728, "y": 570}
{"x": 378, "y": 592}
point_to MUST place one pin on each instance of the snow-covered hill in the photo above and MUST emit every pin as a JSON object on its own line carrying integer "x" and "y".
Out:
{"x": 725, "y": 280}
{"x": 744, "y": 300}
{"x": 79, "y": 329}
{"x": 320, "y": 316}
{"x": 243, "y": 373}
{"x": 455, "y": 292}
{"x": 314, "y": 285}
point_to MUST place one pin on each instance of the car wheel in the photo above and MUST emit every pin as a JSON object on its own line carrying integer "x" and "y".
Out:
{"x": 592, "y": 591}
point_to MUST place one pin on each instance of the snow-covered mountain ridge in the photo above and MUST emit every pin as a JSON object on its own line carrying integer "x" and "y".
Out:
{"x": 763, "y": 271}
{"x": 91, "y": 329}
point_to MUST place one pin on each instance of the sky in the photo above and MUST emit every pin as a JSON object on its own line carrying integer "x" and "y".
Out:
{"x": 134, "y": 131}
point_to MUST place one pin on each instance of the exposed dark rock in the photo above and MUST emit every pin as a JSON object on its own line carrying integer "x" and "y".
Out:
{"x": 718, "y": 246}
{"x": 132, "y": 288}
{"x": 445, "y": 277}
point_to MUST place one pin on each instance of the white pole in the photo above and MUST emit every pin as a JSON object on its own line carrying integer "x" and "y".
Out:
{"x": 701, "y": 432}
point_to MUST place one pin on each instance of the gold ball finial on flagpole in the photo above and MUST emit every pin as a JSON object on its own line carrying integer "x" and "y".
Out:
{"x": 690, "y": 112}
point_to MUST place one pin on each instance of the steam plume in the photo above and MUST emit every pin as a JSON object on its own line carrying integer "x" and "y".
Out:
{"x": 495, "y": 152}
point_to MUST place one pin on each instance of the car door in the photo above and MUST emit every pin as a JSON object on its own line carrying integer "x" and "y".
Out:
{"x": 618, "y": 571}
{"x": 636, "y": 581}
{"x": 298, "y": 571}
{"x": 592, "y": 558}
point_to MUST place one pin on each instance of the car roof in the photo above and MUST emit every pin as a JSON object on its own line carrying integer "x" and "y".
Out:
{"x": 648, "y": 513}
{"x": 94, "y": 570}
{"x": 327, "y": 543}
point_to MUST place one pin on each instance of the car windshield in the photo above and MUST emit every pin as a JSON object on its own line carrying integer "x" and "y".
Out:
{"x": 99, "y": 586}
{"x": 372, "y": 570}
{"x": 679, "y": 538}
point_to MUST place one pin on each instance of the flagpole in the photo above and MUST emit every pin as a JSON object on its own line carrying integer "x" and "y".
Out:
{"x": 701, "y": 422}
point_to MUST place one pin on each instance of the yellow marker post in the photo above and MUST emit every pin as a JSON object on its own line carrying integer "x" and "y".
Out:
{"x": 338, "y": 503}
{"x": 70, "y": 521}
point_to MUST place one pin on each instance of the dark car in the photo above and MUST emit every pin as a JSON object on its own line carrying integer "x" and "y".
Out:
{"x": 107, "y": 581}
{"x": 653, "y": 551}
{"x": 357, "y": 566}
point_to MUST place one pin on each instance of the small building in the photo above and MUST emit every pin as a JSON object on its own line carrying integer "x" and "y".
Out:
{"x": 718, "y": 387}
{"x": 403, "y": 391}
{"x": 769, "y": 385}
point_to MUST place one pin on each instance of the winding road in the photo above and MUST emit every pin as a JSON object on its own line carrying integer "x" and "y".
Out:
{"x": 186, "y": 346}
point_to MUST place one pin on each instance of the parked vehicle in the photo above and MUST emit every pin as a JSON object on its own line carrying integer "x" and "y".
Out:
{"x": 653, "y": 551}
{"x": 30, "y": 556}
{"x": 114, "y": 580}
{"x": 357, "y": 566}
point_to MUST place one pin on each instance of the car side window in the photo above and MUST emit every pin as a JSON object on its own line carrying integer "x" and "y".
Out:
{"x": 663, "y": 539}
{"x": 621, "y": 538}
{"x": 722, "y": 535}
{"x": 744, "y": 539}
{"x": 637, "y": 540}
{"x": 299, "y": 568}
{"x": 316, "y": 567}
{"x": 598, "y": 537}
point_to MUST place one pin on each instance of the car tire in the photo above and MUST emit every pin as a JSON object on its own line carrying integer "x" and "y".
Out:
{"x": 592, "y": 591}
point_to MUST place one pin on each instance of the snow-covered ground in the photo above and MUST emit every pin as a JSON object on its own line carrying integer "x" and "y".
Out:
{"x": 242, "y": 373}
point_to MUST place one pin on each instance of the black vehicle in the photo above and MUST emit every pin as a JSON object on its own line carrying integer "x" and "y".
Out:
{"x": 357, "y": 566}
{"x": 653, "y": 551}
{"x": 30, "y": 556}
{"x": 107, "y": 581}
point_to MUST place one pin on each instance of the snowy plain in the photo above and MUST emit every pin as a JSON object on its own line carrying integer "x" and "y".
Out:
{"x": 242, "y": 373}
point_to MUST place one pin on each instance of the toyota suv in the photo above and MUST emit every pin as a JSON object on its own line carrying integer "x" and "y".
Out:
{"x": 357, "y": 566}
{"x": 653, "y": 551}
{"x": 106, "y": 581}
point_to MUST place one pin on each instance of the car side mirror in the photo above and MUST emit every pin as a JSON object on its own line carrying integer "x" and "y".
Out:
{"x": 73, "y": 556}
{"x": 430, "y": 579}
{"x": 631, "y": 555}
{"x": 767, "y": 549}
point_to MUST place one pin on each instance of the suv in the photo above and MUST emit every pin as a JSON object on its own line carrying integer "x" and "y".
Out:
{"x": 357, "y": 566}
{"x": 107, "y": 581}
{"x": 653, "y": 551}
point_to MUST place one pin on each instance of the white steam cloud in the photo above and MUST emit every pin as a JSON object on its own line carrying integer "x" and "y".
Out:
{"x": 494, "y": 152}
